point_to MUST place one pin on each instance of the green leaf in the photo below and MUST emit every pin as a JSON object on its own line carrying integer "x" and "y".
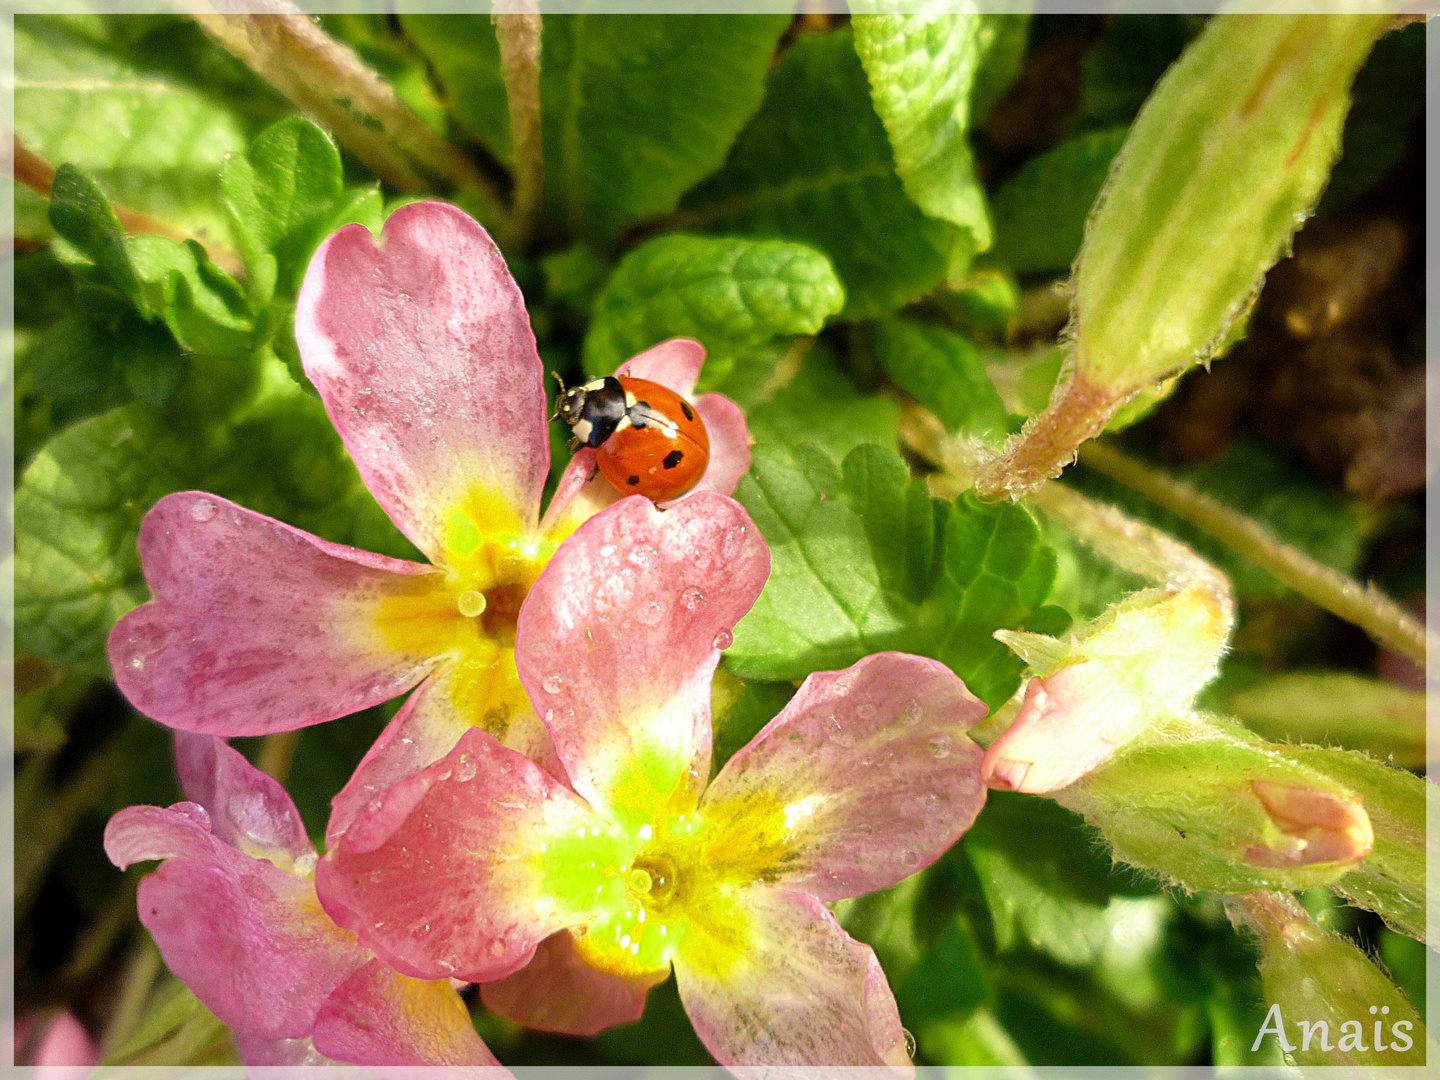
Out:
{"x": 1391, "y": 880}
{"x": 946, "y": 981}
{"x": 204, "y": 307}
{"x": 1389, "y": 97}
{"x": 82, "y": 214}
{"x": 280, "y": 191}
{"x": 739, "y": 710}
{"x": 942, "y": 371}
{"x": 820, "y": 405}
{"x": 822, "y": 607}
{"x": 465, "y": 56}
{"x": 152, "y": 364}
{"x": 75, "y": 362}
{"x": 174, "y": 1029}
{"x": 636, "y": 108}
{"x": 922, "y": 68}
{"x": 863, "y": 559}
{"x": 996, "y": 574}
{"x": 1040, "y": 212}
{"x": 1002, "y": 39}
{"x": 815, "y": 165}
{"x": 730, "y": 295}
{"x": 151, "y": 119}
{"x": 1335, "y": 707}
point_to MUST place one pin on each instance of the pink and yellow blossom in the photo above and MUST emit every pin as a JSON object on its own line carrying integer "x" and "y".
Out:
{"x": 234, "y": 912}
{"x": 421, "y": 350}
{"x": 569, "y": 893}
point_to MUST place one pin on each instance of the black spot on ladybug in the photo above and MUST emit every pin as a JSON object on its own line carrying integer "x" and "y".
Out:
{"x": 632, "y": 480}
{"x": 673, "y": 458}
{"x": 689, "y": 412}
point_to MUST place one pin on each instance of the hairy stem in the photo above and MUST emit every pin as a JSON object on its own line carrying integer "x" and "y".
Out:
{"x": 38, "y": 175}
{"x": 1364, "y": 605}
{"x": 329, "y": 81}
{"x": 519, "y": 38}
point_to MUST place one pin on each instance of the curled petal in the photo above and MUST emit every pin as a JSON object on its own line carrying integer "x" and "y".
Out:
{"x": 558, "y": 991}
{"x": 248, "y": 810}
{"x": 258, "y": 627}
{"x": 618, "y": 639}
{"x": 865, "y": 777}
{"x": 378, "y": 1017}
{"x": 675, "y": 363}
{"x": 1069, "y": 723}
{"x": 422, "y": 351}
{"x": 799, "y": 991}
{"x": 248, "y": 938}
{"x": 442, "y": 879}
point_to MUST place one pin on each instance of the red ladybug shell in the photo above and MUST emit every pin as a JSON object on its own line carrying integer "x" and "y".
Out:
{"x": 661, "y": 448}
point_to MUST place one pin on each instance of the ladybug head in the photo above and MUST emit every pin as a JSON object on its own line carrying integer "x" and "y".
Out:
{"x": 571, "y": 405}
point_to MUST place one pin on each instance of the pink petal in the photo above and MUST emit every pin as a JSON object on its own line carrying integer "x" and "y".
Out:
{"x": 247, "y": 938}
{"x": 675, "y": 363}
{"x": 1069, "y": 723}
{"x": 378, "y": 1017}
{"x": 257, "y": 627}
{"x": 142, "y": 833}
{"x": 558, "y": 991}
{"x": 426, "y": 728}
{"x": 248, "y": 810}
{"x": 800, "y": 992}
{"x": 422, "y": 352}
{"x": 66, "y": 1051}
{"x": 618, "y": 639}
{"x": 441, "y": 877}
{"x": 729, "y": 446}
{"x": 873, "y": 769}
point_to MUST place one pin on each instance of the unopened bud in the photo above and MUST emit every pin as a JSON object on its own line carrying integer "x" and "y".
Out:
{"x": 1320, "y": 827}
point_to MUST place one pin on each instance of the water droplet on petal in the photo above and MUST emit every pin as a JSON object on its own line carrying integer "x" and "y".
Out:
{"x": 202, "y": 510}
{"x": 865, "y": 712}
{"x": 553, "y": 684}
{"x": 465, "y": 769}
{"x": 910, "y": 1044}
{"x": 723, "y": 640}
{"x": 910, "y": 858}
{"x": 691, "y": 598}
{"x": 911, "y": 716}
{"x": 607, "y": 551}
{"x": 940, "y": 746}
{"x": 472, "y": 603}
{"x": 377, "y": 876}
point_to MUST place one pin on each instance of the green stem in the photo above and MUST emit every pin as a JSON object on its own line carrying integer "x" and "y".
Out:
{"x": 140, "y": 975}
{"x": 277, "y": 754}
{"x": 519, "y": 38}
{"x": 328, "y": 80}
{"x": 1364, "y": 605}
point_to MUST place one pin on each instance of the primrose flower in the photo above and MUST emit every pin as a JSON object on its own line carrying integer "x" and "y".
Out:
{"x": 485, "y": 860}
{"x": 421, "y": 350}
{"x": 234, "y": 912}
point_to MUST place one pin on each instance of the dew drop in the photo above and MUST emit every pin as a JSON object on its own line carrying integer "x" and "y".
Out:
{"x": 607, "y": 551}
{"x": 865, "y": 712}
{"x": 377, "y": 876}
{"x": 650, "y": 612}
{"x": 691, "y": 598}
{"x": 202, "y": 509}
{"x": 465, "y": 769}
{"x": 553, "y": 684}
{"x": 940, "y": 746}
{"x": 472, "y": 603}
{"x": 910, "y": 858}
{"x": 911, "y": 716}
{"x": 723, "y": 640}
{"x": 910, "y": 1044}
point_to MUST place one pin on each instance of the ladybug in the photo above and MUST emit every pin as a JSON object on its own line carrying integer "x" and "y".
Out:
{"x": 650, "y": 440}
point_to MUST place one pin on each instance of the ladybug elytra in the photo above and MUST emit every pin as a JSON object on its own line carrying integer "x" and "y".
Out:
{"x": 649, "y": 439}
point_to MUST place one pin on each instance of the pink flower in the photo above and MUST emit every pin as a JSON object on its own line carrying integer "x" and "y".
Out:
{"x": 485, "y": 860}
{"x": 60, "y": 1049}
{"x": 421, "y": 349}
{"x": 234, "y": 912}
